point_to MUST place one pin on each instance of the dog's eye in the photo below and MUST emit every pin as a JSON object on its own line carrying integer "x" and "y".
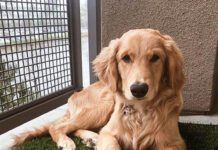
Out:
{"x": 126, "y": 59}
{"x": 154, "y": 58}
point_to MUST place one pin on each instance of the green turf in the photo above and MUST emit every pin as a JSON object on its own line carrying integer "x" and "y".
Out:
{"x": 46, "y": 143}
{"x": 197, "y": 137}
{"x": 200, "y": 137}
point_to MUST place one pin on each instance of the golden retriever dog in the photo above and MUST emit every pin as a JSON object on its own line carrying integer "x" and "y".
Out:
{"x": 136, "y": 102}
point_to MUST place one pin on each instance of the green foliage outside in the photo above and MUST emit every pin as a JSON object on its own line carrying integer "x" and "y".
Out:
{"x": 13, "y": 94}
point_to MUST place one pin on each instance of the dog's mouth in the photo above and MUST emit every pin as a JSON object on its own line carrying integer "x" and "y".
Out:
{"x": 138, "y": 96}
{"x": 142, "y": 98}
{"x": 131, "y": 97}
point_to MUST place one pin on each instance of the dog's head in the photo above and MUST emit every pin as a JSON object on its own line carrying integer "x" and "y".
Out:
{"x": 141, "y": 63}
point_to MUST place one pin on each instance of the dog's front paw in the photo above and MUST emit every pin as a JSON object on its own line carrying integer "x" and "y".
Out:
{"x": 65, "y": 143}
{"x": 90, "y": 142}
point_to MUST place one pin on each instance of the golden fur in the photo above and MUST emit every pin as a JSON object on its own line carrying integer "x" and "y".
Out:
{"x": 127, "y": 122}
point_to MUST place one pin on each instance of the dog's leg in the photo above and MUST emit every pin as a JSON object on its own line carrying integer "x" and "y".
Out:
{"x": 89, "y": 138}
{"x": 106, "y": 141}
{"x": 88, "y": 110}
{"x": 168, "y": 137}
{"x": 85, "y": 118}
{"x": 58, "y": 133}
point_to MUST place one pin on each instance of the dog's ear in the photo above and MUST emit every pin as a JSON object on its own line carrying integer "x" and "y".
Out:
{"x": 105, "y": 65}
{"x": 174, "y": 64}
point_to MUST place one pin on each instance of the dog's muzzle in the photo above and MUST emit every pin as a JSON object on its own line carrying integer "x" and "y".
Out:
{"x": 139, "y": 90}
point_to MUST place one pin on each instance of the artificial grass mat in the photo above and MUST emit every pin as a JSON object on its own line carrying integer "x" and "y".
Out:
{"x": 197, "y": 137}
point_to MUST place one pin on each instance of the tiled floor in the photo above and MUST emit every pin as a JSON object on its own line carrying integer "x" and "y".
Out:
{"x": 6, "y": 138}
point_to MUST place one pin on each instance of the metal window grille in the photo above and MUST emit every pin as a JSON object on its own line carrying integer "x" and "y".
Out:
{"x": 36, "y": 58}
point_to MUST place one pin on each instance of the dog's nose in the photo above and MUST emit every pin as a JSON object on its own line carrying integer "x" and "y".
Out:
{"x": 139, "y": 90}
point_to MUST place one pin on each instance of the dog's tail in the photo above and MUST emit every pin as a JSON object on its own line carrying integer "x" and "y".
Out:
{"x": 19, "y": 139}
{"x": 39, "y": 131}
